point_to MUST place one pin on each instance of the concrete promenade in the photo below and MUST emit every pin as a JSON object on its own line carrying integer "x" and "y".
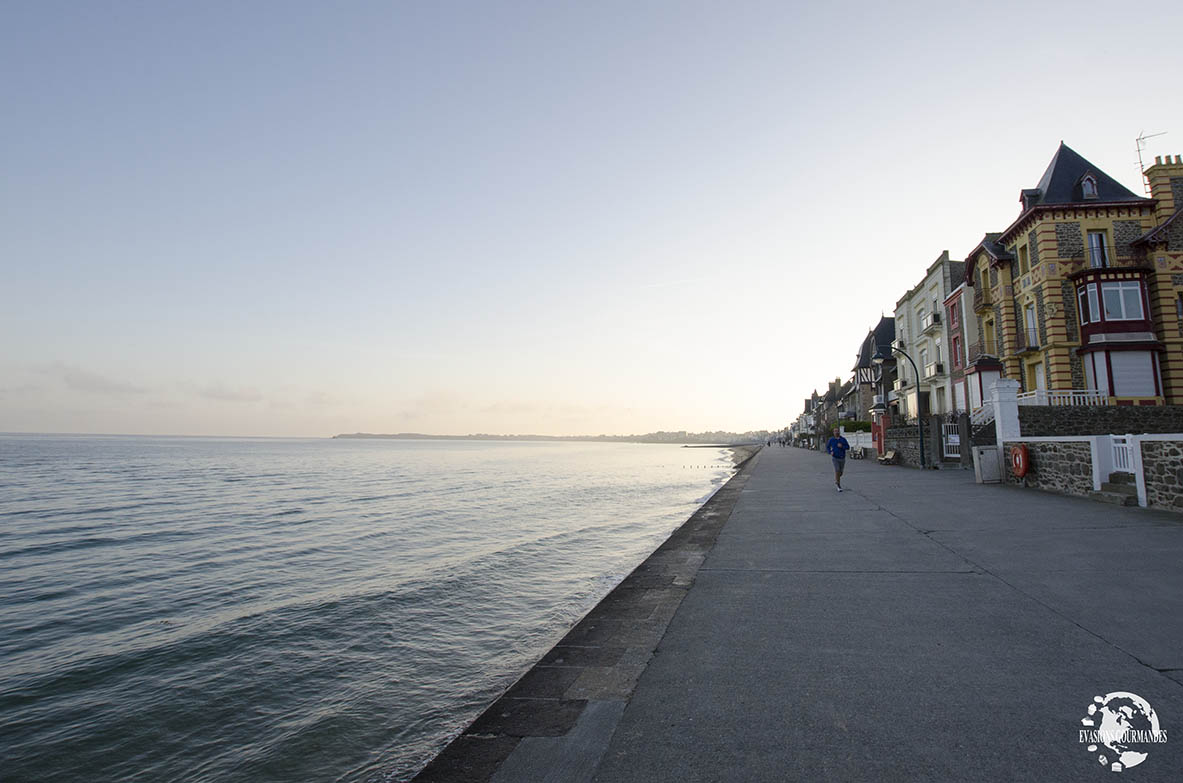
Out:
{"x": 915, "y": 627}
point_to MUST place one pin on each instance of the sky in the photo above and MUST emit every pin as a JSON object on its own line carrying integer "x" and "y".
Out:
{"x": 305, "y": 218}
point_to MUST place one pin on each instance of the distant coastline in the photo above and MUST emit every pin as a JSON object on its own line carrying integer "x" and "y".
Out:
{"x": 696, "y": 438}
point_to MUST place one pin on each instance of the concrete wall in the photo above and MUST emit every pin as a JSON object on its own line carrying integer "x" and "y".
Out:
{"x": 1056, "y": 466}
{"x": 1162, "y": 463}
{"x": 1036, "y": 420}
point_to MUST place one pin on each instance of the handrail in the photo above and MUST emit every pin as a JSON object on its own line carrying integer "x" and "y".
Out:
{"x": 983, "y": 414}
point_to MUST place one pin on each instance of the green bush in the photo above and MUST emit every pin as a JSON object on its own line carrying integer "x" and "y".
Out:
{"x": 856, "y": 426}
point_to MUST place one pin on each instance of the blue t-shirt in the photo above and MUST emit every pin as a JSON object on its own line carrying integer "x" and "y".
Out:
{"x": 837, "y": 447}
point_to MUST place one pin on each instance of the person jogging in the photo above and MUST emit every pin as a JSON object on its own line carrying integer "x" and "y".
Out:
{"x": 837, "y": 446}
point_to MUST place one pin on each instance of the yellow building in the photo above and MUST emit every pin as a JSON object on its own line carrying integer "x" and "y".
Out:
{"x": 1079, "y": 299}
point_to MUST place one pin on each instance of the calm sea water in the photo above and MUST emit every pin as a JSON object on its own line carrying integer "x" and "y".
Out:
{"x": 188, "y": 609}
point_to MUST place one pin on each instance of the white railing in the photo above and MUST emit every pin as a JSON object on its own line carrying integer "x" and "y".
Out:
{"x": 983, "y": 414}
{"x": 1069, "y": 397}
{"x": 1122, "y": 456}
{"x": 951, "y": 438}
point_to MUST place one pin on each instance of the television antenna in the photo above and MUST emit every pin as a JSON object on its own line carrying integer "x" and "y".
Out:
{"x": 1141, "y": 142}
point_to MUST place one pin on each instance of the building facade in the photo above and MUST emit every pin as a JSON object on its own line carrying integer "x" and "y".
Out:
{"x": 1066, "y": 298}
{"x": 920, "y": 334}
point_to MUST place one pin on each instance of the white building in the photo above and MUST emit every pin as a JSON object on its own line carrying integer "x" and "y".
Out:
{"x": 921, "y": 335}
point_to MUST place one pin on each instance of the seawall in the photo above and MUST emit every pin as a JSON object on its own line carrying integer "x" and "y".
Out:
{"x": 567, "y": 705}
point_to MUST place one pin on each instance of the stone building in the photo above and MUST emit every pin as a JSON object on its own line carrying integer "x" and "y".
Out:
{"x": 1067, "y": 298}
{"x": 1160, "y": 251}
{"x": 920, "y": 334}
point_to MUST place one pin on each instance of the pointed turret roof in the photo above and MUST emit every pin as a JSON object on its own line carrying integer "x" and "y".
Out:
{"x": 1063, "y": 183}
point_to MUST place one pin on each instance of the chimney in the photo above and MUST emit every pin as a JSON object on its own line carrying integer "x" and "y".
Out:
{"x": 1166, "y": 186}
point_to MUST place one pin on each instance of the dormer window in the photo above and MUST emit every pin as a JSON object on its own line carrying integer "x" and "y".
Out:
{"x": 1088, "y": 186}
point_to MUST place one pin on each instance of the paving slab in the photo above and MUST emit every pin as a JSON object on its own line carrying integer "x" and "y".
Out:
{"x": 916, "y": 626}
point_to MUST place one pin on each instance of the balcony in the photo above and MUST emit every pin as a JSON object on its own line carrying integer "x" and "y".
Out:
{"x": 982, "y": 348}
{"x": 933, "y": 369}
{"x": 982, "y": 299}
{"x": 1101, "y": 256}
{"x": 930, "y": 322}
{"x": 1027, "y": 340}
{"x": 900, "y": 384}
{"x": 899, "y": 343}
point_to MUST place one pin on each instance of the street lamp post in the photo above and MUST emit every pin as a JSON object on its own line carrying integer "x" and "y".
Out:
{"x": 878, "y": 359}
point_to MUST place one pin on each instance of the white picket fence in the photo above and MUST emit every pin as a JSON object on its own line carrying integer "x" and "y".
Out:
{"x": 1122, "y": 457}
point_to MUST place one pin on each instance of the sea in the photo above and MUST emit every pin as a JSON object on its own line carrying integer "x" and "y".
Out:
{"x": 226, "y": 609}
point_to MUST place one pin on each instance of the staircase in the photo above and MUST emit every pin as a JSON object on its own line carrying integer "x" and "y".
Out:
{"x": 1120, "y": 490}
{"x": 981, "y": 426}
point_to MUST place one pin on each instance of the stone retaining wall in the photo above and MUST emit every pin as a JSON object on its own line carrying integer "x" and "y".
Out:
{"x": 905, "y": 441}
{"x": 1056, "y": 466}
{"x": 1162, "y": 465}
{"x": 1036, "y": 420}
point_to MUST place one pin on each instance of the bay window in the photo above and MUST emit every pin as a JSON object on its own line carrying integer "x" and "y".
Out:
{"x": 1123, "y": 300}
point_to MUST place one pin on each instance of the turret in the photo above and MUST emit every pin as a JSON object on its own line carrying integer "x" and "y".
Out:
{"x": 1166, "y": 186}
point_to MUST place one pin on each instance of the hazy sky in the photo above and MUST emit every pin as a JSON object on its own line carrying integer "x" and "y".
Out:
{"x": 299, "y": 218}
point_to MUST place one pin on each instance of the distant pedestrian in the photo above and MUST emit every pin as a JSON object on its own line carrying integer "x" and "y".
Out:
{"x": 837, "y": 446}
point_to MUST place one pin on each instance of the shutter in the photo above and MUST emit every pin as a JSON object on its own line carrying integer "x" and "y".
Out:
{"x": 1133, "y": 373}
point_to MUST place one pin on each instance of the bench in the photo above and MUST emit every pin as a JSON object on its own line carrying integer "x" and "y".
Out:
{"x": 892, "y": 457}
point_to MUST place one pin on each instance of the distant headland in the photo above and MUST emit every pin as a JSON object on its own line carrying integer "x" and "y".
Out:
{"x": 718, "y": 437}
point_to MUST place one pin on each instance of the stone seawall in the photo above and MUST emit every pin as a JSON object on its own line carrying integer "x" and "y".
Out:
{"x": 1036, "y": 420}
{"x": 1056, "y": 466}
{"x": 1162, "y": 463}
{"x": 905, "y": 441}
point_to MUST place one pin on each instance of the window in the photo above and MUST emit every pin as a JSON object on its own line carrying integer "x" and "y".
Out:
{"x": 953, "y": 320}
{"x": 955, "y": 350}
{"x": 923, "y": 357}
{"x": 1088, "y": 186}
{"x": 1089, "y": 311}
{"x": 1123, "y": 300}
{"x": 1024, "y": 266}
{"x": 1032, "y": 326}
{"x": 1098, "y": 256}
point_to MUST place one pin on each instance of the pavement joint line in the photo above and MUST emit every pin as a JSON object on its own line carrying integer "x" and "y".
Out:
{"x": 1020, "y": 591}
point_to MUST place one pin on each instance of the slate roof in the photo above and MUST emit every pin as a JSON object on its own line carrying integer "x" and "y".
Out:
{"x": 996, "y": 251}
{"x": 1061, "y": 183}
{"x": 956, "y": 273}
{"x": 883, "y": 334}
{"x": 1159, "y": 232}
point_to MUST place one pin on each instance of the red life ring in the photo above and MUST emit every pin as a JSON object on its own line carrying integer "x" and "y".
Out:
{"x": 1020, "y": 461}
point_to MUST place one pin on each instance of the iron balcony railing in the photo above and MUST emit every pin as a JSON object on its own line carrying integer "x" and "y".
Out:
{"x": 1027, "y": 340}
{"x": 982, "y": 347}
{"x": 981, "y": 298}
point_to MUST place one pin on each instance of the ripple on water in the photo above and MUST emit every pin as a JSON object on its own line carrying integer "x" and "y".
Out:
{"x": 234, "y": 610}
